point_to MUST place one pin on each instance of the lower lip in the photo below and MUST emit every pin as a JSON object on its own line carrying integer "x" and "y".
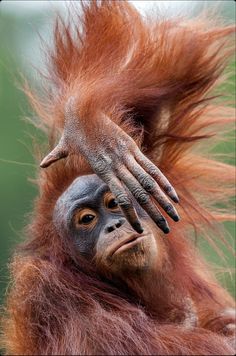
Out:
{"x": 129, "y": 245}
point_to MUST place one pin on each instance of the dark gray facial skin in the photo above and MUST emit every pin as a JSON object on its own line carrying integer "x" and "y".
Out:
{"x": 88, "y": 192}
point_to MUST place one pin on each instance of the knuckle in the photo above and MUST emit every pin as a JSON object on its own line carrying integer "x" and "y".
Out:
{"x": 123, "y": 201}
{"x": 168, "y": 208}
{"x": 118, "y": 168}
{"x": 148, "y": 183}
{"x": 161, "y": 220}
{"x": 101, "y": 166}
{"x": 152, "y": 170}
{"x": 141, "y": 196}
{"x": 168, "y": 188}
{"x": 123, "y": 145}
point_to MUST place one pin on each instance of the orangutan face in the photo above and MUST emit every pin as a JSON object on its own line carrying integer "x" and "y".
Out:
{"x": 88, "y": 213}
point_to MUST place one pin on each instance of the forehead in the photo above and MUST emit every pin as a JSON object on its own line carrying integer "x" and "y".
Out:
{"x": 83, "y": 186}
{"x": 79, "y": 190}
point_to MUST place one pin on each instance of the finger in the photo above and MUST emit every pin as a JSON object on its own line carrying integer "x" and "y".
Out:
{"x": 143, "y": 198}
{"x": 150, "y": 185}
{"x": 124, "y": 201}
{"x": 59, "y": 152}
{"x": 156, "y": 174}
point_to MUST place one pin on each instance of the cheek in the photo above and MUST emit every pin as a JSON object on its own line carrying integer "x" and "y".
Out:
{"x": 160, "y": 246}
{"x": 102, "y": 246}
{"x": 85, "y": 242}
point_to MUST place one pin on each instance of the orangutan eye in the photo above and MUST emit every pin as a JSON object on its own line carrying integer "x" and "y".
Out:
{"x": 87, "y": 219}
{"x": 85, "y": 216}
{"x": 110, "y": 201}
{"x": 112, "y": 204}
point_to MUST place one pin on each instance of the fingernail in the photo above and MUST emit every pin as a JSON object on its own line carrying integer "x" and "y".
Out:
{"x": 165, "y": 227}
{"x": 137, "y": 226}
{"x": 175, "y": 198}
{"x": 176, "y": 218}
{"x": 172, "y": 212}
{"x": 166, "y": 230}
{"x": 173, "y": 195}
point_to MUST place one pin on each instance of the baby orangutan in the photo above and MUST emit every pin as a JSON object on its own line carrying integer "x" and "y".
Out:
{"x": 88, "y": 215}
{"x": 108, "y": 267}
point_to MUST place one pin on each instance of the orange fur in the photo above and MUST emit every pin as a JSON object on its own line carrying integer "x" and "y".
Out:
{"x": 153, "y": 78}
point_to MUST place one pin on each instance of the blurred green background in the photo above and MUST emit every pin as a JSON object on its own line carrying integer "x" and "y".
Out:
{"x": 21, "y": 22}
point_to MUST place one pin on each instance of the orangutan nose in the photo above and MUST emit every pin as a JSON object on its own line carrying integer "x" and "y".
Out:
{"x": 115, "y": 224}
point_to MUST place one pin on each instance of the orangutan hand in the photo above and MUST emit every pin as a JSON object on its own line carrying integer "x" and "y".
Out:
{"x": 116, "y": 159}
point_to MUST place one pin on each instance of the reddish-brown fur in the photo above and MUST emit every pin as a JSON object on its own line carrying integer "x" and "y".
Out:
{"x": 159, "y": 94}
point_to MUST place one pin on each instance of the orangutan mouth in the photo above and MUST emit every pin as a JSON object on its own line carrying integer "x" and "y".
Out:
{"x": 127, "y": 243}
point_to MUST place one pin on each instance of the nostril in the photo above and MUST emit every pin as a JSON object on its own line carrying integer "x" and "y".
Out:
{"x": 120, "y": 222}
{"x": 110, "y": 228}
{"x": 116, "y": 225}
